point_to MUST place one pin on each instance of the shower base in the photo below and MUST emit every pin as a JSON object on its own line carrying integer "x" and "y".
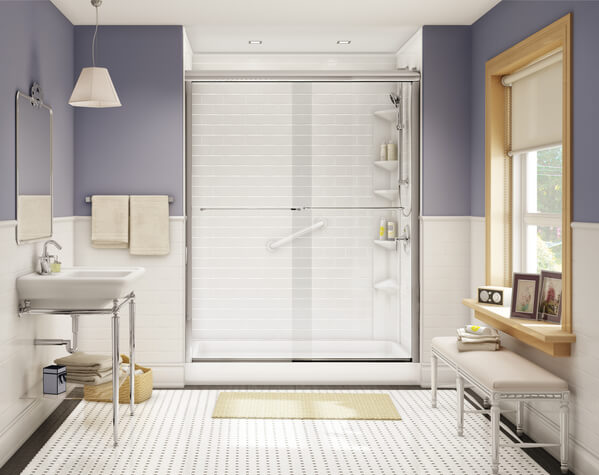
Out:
{"x": 298, "y": 350}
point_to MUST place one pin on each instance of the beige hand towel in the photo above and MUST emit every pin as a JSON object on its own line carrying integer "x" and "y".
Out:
{"x": 476, "y": 346}
{"x": 110, "y": 221}
{"x": 466, "y": 337}
{"x": 34, "y": 219}
{"x": 89, "y": 380}
{"x": 83, "y": 361}
{"x": 150, "y": 234}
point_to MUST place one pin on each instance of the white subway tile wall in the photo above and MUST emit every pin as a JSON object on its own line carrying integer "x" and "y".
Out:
{"x": 160, "y": 297}
{"x": 282, "y": 145}
{"x": 580, "y": 369}
{"x": 22, "y": 408}
{"x": 445, "y": 277}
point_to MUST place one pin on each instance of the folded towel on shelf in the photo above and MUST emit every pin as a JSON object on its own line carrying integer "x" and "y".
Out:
{"x": 86, "y": 361}
{"x": 150, "y": 227}
{"x": 110, "y": 221}
{"x": 77, "y": 371}
{"x": 466, "y": 337}
{"x": 482, "y": 331}
{"x": 485, "y": 346}
{"x": 91, "y": 380}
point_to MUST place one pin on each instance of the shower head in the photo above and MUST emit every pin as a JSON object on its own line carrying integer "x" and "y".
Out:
{"x": 394, "y": 99}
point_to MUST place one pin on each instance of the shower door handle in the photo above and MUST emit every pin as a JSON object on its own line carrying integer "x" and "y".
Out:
{"x": 273, "y": 245}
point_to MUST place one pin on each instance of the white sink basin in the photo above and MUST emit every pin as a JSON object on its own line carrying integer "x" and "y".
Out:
{"x": 78, "y": 287}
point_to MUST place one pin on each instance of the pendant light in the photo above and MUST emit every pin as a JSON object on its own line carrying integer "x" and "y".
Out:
{"x": 94, "y": 87}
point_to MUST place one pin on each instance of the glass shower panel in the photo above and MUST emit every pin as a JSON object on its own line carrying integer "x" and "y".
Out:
{"x": 242, "y": 285}
{"x": 289, "y": 184}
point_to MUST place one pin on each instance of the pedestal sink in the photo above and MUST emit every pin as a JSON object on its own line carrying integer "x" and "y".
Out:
{"x": 78, "y": 288}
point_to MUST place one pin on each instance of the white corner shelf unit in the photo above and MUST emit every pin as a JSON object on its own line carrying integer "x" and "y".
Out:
{"x": 389, "y": 115}
{"x": 390, "y": 195}
{"x": 388, "y": 285}
{"x": 389, "y": 245}
{"x": 389, "y": 165}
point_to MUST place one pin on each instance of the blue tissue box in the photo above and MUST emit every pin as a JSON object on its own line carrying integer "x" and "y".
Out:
{"x": 55, "y": 379}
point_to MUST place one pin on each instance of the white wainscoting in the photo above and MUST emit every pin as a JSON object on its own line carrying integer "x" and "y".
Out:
{"x": 22, "y": 407}
{"x": 444, "y": 281}
{"x": 580, "y": 369}
{"x": 160, "y": 297}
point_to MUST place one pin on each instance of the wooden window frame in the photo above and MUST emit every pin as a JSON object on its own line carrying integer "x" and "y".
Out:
{"x": 498, "y": 212}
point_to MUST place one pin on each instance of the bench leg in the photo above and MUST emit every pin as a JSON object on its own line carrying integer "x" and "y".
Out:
{"x": 434, "y": 365}
{"x": 495, "y": 415}
{"x": 519, "y": 417}
{"x": 459, "y": 382}
{"x": 563, "y": 435}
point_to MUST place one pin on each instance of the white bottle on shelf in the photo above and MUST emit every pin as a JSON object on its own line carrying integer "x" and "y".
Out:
{"x": 383, "y": 152}
{"x": 383, "y": 229}
{"x": 391, "y": 151}
{"x": 391, "y": 230}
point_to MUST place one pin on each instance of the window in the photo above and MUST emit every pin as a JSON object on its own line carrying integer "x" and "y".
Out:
{"x": 537, "y": 205}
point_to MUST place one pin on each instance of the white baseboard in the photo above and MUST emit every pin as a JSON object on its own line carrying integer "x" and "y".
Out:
{"x": 166, "y": 375}
{"x": 281, "y": 373}
{"x": 23, "y": 425}
{"x": 583, "y": 460}
{"x": 445, "y": 376}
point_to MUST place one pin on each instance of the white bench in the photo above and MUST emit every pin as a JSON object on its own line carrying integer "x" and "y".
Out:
{"x": 499, "y": 376}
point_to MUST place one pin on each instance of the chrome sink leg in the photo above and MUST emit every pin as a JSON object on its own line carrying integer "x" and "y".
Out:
{"x": 115, "y": 373}
{"x": 132, "y": 354}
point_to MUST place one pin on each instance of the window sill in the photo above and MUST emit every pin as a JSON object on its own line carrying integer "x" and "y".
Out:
{"x": 547, "y": 337}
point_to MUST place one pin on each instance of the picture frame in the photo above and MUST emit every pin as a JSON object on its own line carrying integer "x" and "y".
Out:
{"x": 550, "y": 297}
{"x": 525, "y": 296}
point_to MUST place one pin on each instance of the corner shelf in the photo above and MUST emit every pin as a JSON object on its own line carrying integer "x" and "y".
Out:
{"x": 389, "y": 245}
{"x": 389, "y": 115}
{"x": 390, "y": 195}
{"x": 388, "y": 285}
{"x": 389, "y": 165}
{"x": 547, "y": 337}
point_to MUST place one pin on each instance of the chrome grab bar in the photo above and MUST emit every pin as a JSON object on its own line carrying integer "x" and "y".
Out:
{"x": 272, "y": 245}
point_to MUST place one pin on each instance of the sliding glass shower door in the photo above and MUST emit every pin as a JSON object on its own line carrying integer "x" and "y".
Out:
{"x": 289, "y": 185}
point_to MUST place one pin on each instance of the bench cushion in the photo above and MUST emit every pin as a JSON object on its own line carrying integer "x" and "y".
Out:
{"x": 501, "y": 370}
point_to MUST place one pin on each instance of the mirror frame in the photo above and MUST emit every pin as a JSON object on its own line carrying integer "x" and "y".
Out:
{"x": 35, "y": 98}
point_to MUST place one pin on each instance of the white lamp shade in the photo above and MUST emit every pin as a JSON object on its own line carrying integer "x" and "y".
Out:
{"x": 94, "y": 88}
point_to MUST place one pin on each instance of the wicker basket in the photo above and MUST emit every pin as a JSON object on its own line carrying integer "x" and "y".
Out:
{"x": 103, "y": 392}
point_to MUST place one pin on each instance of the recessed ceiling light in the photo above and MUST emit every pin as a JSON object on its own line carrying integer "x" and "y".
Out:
{"x": 343, "y": 42}
{"x": 255, "y": 42}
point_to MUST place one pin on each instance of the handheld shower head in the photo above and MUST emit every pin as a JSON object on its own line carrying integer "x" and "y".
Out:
{"x": 394, "y": 99}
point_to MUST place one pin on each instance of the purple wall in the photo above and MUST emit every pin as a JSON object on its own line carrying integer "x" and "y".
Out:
{"x": 137, "y": 148}
{"x": 490, "y": 36}
{"x": 446, "y": 107}
{"x": 36, "y": 44}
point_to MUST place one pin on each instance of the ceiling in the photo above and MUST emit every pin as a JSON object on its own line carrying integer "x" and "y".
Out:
{"x": 311, "y": 26}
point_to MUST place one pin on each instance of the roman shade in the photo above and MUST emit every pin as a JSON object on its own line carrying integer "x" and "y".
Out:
{"x": 537, "y": 104}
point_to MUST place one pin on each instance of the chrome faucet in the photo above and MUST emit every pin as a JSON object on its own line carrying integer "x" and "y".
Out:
{"x": 45, "y": 259}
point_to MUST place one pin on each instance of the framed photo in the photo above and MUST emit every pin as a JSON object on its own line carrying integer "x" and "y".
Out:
{"x": 550, "y": 303}
{"x": 525, "y": 295}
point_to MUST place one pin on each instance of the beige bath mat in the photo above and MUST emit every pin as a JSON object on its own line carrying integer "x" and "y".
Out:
{"x": 274, "y": 405}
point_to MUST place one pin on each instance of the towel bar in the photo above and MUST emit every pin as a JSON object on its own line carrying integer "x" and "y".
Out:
{"x": 88, "y": 199}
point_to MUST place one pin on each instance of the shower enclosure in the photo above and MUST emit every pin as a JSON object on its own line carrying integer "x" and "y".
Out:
{"x": 288, "y": 182}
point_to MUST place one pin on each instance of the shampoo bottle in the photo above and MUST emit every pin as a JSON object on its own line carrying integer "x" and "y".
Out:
{"x": 383, "y": 229}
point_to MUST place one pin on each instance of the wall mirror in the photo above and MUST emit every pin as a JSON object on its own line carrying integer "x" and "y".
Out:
{"x": 33, "y": 166}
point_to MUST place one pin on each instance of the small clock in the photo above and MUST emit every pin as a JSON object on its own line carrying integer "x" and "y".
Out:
{"x": 494, "y": 295}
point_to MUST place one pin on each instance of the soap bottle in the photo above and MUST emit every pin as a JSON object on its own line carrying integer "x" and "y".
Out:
{"x": 383, "y": 229}
{"x": 391, "y": 230}
{"x": 55, "y": 266}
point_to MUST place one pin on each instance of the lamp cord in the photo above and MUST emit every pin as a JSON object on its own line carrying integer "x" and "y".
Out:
{"x": 94, "y": 41}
